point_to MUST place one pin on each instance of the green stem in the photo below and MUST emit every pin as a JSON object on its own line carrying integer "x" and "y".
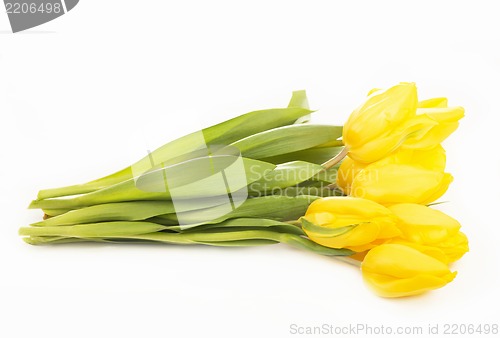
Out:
{"x": 94, "y": 230}
{"x": 349, "y": 260}
{"x": 339, "y": 157}
{"x": 219, "y": 239}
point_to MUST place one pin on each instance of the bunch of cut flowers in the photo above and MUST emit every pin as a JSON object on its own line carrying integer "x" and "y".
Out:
{"x": 362, "y": 192}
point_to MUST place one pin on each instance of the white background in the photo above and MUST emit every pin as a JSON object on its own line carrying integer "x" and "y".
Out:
{"x": 90, "y": 92}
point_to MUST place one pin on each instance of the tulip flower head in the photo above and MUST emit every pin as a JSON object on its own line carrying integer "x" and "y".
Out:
{"x": 445, "y": 123}
{"x": 394, "y": 270}
{"x": 433, "y": 159}
{"x": 394, "y": 159}
{"x": 392, "y": 118}
{"x": 377, "y": 127}
{"x": 400, "y": 183}
{"x": 430, "y": 231}
{"x": 347, "y": 222}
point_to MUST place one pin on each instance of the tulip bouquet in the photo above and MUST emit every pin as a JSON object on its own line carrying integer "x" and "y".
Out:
{"x": 362, "y": 191}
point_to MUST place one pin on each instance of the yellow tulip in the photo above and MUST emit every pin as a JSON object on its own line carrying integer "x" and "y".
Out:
{"x": 378, "y": 126}
{"x": 394, "y": 270}
{"x": 346, "y": 222}
{"x": 425, "y": 249}
{"x": 424, "y": 225}
{"x": 392, "y": 118}
{"x": 446, "y": 122}
{"x": 433, "y": 159}
{"x": 455, "y": 247}
{"x": 346, "y": 173}
{"x": 430, "y": 159}
{"x": 430, "y": 231}
{"x": 400, "y": 183}
{"x": 448, "y": 251}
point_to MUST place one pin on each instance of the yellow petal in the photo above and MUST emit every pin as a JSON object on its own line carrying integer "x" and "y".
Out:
{"x": 431, "y": 159}
{"x": 447, "y": 122}
{"x": 377, "y": 148}
{"x": 439, "y": 191}
{"x": 347, "y": 171}
{"x": 372, "y": 222}
{"x": 432, "y": 251}
{"x": 401, "y": 261}
{"x": 455, "y": 247}
{"x": 369, "y": 151}
{"x": 388, "y": 230}
{"x": 390, "y": 287}
{"x": 395, "y": 270}
{"x": 440, "y": 115}
{"x": 395, "y": 183}
{"x": 373, "y": 91}
{"x": 358, "y": 208}
{"x": 437, "y": 102}
{"x": 377, "y": 121}
{"x": 424, "y": 225}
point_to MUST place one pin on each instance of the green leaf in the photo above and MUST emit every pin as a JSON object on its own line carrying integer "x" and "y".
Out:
{"x": 125, "y": 211}
{"x": 299, "y": 99}
{"x": 155, "y": 185}
{"x": 219, "y": 239}
{"x": 41, "y": 240}
{"x": 284, "y": 175}
{"x": 103, "y": 229}
{"x": 55, "y": 212}
{"x": 221, "y": 134}
{"x": 240, "y": 243}
{"x": 316, "y": 155}
{"x": 286, "y": 139}
{"x": 329, "y": 175}
{"x": 280, "y": 208}
{"x": 230, "y": 238}
{"x": 249, "y": 224}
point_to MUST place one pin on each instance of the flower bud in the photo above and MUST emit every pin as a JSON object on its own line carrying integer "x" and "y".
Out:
{"x": 346, "y": 222}
{"x": 446, "y": 122}
{"x": 394, "y": 270}
{"x": 430, "y": 231}
{"x": 374, "y": 129}
{"x": 400, "y": 183}
{"x": 433, "y": 159}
